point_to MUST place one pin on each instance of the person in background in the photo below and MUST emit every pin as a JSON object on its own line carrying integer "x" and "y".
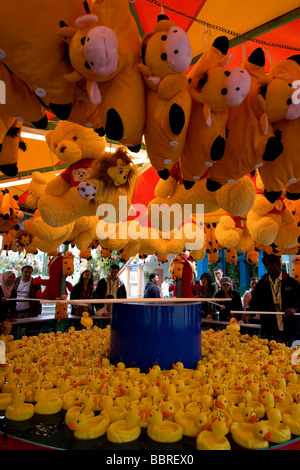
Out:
{"x": 246, "y": 300}
{"x": 278, "y": 292}
{"x": 7, "y": 308}
{"x": 209, "y": 290}
{"x": 110, "y": 286}
{"x": 227, "y": 307}
{"x": 165, "y": 287}
{"x": 26, "y": 289}
{"x": 151, "y": 288}
{"x": 218, "y": 274}
{"x": 83, "y": 290}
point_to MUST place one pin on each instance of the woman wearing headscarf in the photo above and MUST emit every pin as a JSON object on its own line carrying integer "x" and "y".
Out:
{"x": 7, "y": 309}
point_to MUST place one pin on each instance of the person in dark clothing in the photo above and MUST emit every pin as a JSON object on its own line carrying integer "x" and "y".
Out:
{"x": 110, "y": 286}
{"x": 151, "y": 288}
{"x": 209, "y": 290}
{"x": 277, "y": 292}
{"x": 83, "y": 290}
{"x": 227, "y": 307}
{"x": 7, "y": 309}
{"x": 26, "y": 288}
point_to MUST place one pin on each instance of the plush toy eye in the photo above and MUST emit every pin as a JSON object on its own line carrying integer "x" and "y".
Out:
{"x": 227, "y": 73}
{"x": 289, "y": 101}
{"x": 164, "y": 37}
{"x": 86, "y": 64}
{"x": 163, "y": 56}
{"x": 82, "y": 40}
{"x": 75, "y": 138}
{"x": 224, "y": 91}
{"x": 120, "y": 171}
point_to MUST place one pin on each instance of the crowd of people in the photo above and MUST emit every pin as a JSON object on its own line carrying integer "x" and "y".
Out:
{"x": 276, "y": 292}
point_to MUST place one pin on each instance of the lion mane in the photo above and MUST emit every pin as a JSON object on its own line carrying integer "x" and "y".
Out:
{"x": 109, "y": 159}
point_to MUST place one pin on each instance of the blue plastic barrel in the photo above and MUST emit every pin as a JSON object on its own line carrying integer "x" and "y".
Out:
{"x": 146, "y": 334}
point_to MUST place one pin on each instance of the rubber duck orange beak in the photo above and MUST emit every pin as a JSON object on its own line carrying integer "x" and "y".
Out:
{"x": 253, "y": 419}
{"x": 166, "y": 414}
{"x": 72, "y": 426}
{"x": 268, "y": 436}
{"x": 206, "y": 427}
{"x": 220, "y": 404}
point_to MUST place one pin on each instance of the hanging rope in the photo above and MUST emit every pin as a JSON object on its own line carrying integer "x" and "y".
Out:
{"x": 225, "y": 30}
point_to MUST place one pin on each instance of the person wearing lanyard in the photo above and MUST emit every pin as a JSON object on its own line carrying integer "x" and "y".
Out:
{"x": 276, "y": 291}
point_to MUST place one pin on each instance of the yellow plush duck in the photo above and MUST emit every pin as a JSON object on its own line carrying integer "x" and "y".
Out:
{"x": 86, "y": 428}
{"x": 251, "y": 436}
{"x": 280, "y": 432}
{"x": 161, "y": 430}
{"x": 127, "y": 429}
{"x": 18, "y": 410}
{"x": 214, "y": 439}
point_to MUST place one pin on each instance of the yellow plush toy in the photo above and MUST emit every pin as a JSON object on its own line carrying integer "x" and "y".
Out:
{"x": 232, "y": 232}
{"x": 9, "y": 149}
{"x": 104, "y": 49}
{"x": 265, "y": 218}
{"x": 31, "y": 49}
{"x": 283, "y": 173}
{"x": 165, "y": 56}
{"x": 251, "y": 140}
{"x": 77, "y": 146}
{"x": 214, "y": 88}
{"x": 36, "y": 188}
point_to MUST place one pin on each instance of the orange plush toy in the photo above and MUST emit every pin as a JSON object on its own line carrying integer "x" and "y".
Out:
{"x": 166, "y": 55}
{"x": 214, "y": 88}
{"x": 9, "y": 149}
{"x": 251, "y": 140}
{"x": 283, "y": 173}
{"x": 104, "y": 49}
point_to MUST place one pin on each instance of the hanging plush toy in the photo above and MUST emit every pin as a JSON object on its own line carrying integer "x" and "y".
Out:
{"x": 32, "y": 51}
{"x": 36, "y": 188}
{"x": 214, "y": 88}
{"x": 68, "y": 264}
{"x": 252, "y": 256}
{"x": 10, "y": 213}
{"x": 283, "y": 173}
{"x": 232, "y": 232}
{"x": 251, "y": 140}
{"x": 183, "y": 272}
{"x": 165, "y": 56}
{"x": 53, "y": 284}
{"x": 61, "y": 309}
{"x": 212, "y": 245}
{"x": 9, "y": 149}
{"x": 104, "y": 49}
{"x": 231, "y": 255}
{"x": 77, "y": 146}
{"x": 296, "y": 268}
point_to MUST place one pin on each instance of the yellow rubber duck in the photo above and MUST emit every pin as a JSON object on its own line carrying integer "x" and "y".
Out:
{"x": 5, "y": 400}
{"x": 251, "y": 436}
{"x": 86, "y": 428}
{"x": 192, "y": 423}
{"x": 47, "y": 404}
{"x": 127, "y": 429}
{"x": 283, "y": 400}
{"x": 214, "y": 439}
{"x": 86, "y": 320}
{"x": 114, "y": 412}
{"x": 243, "y": 414}
{"x": 19, "y": 410}
{"x": 280, "y": 432}
{"x": 84, "y": 407}
{"x": 292, "y": 419}
{"x": 161, "y": 430}
{"x": 233, "y": 328}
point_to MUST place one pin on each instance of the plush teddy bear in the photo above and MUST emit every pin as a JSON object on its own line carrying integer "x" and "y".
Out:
{"x": 77, "y": 146}
{"x": 9, "y": 149}
{"x": 251, "y": 140}
{"x": 32, "y": 50}
{"x": 166, "y": 54}
{"x": 104, "y": 49}
{"x": 232, "y": 232}
{"x": 36, "y": 188}
{"x": 265, "y": 218}
{"x": 283, "y": 173}
{"x": 214, "y": 88}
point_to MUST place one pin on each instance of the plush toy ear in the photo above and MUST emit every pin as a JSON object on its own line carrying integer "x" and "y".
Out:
{"x": 86, "y": 21}
{"x": 67, "y": 32}
{"x": 93, "y": 92}
{"x": 48, "y": 137}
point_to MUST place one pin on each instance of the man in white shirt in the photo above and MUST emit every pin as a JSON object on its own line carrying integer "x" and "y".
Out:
{"x": 165, "y": 287}
{"x": 26, "y": 290}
